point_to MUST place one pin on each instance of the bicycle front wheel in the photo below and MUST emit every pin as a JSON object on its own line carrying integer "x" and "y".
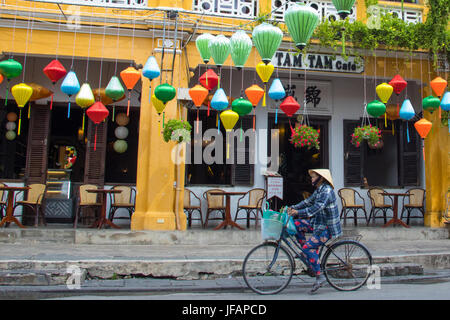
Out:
{"x": 347, "y": 265}
{"x": 268, "y": 268}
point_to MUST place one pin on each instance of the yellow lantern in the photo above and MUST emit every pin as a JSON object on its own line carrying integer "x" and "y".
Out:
{"x": 85, "y": 99}
{"x": 384, "y": 92}
{"x": 159, "y": 106}
{"x": 265, "y": 72}
{"x": 229, "y": 119}
{"x": 22, "y": 93}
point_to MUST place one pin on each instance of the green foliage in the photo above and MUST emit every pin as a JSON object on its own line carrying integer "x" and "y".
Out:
{"x": 177, "y": 130}
{"x": 305, "y": 136}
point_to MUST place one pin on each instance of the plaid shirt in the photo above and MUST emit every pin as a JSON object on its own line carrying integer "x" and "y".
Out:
{"x": 322, "y": 208}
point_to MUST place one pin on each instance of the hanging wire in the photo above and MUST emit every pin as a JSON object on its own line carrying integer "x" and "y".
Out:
{"x": 163, "y": 49}
{"x": 103, "y": 53}
{"x": 89, "y": 47}
{"x": 132, "y": 39}
{"x": 26, "y": 45}
{"x": 117, "y": 46}
{"x": 73, "y": 49}
{"x": 11, "y": 54}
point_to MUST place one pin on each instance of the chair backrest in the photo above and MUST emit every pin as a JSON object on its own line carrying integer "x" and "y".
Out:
{"x": 347, "y": 196}
{"x": 187, "y": 198}
{"x": 416, "y": 196}
{"x": 375, "y": 195}
{"x": 215, "y": 201}
{"x": 1, "y": 191}
{"x": 36, "y": 193}
{"x": 87, "y": 197}
{"x": 255, "y": 197}
{"x": 125, "y": 197}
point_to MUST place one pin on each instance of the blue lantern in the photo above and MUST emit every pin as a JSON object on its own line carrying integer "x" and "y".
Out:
{"x": 219, "y": 102}
{"x": 407, "y": 113}
{"x": 70, "y": 86}
{"x": 445, "y": 102}
{"x": 151, "y": 71}
{"x": 277, "y": 92}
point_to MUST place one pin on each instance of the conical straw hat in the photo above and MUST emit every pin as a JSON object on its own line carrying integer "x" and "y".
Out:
{"x": 325, "y": 173}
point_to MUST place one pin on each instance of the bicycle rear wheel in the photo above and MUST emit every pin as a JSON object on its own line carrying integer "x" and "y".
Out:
{"x": 267, "y": 268}
{"x": 347, "y": 265}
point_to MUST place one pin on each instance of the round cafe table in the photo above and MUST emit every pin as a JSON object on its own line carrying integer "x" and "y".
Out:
{"x": 103, "y": 220}
{"x": 228, "y": 220}
{"x": 10, "y": 205}
{"x": 395, "y": 219}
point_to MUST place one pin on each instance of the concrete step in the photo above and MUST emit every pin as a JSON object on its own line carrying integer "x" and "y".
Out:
{"x": 36, "y": 235}
{"x": 29, "y": 277}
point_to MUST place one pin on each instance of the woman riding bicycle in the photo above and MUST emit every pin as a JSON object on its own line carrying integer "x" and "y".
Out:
{"x": 325, "y": 224}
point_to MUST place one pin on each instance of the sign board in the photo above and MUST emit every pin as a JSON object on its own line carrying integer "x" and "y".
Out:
{"x": 274, "y": 187}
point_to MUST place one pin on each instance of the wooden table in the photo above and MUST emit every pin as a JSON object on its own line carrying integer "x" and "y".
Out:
{"x": 395, "y": 219}
{"x": 228, "y": 220}
{"x": 10, "y": 205}
{"x": 103, "y": 220}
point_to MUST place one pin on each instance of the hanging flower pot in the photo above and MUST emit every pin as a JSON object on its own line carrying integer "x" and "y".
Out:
{"x": 241, "y": 46}
{"x": 305, "y": 137}
{"x": 377, "y": 145}
{"x": 177, "y": 130}
{"x": 370, "y": 133}
{"x": 301, "y": 21}
{"x": 54, "y": 71}
{"x": 267, "y": 38}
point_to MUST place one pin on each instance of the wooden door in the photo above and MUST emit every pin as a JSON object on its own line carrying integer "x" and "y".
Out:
{"x": 94, "y": 170}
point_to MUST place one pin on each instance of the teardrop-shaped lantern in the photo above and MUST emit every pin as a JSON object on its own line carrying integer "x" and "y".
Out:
{"x": 276, "y": 90}
{"x": 85, "y": 97}
{"x": 21, "y": 93}
{"x": 209, "y": 79}
{"x": 241, "y": 106}
{"x": 202, "y": 44}
{"x": 151, "y": 71}
{"x": 301, "y": 21}
{"x": 198, "y": 94}
{"x": 10, "y": 69}
{"x": 384, "y": 91}
{"x": 220, "y": 48}
{"x": 229, "y": 119}
{"x": 423, "y": 127}
{"x": 165, "y": 92}
{"x": 241, "y": 46}
{"x": 130, "y": 76}
{"x": 265, "y": 72}
{"x": 219, "y": 101}
{"x": 97, "y": 113}
{"x": 430, "y": 103}
{"x": 407, "y": 111}
{"x": 39, "y": 92}
{"x": 289, "y": 106}
{"x": 376, "y": 108}
{"x": 267, "y": 38}
{"x": 54, "y": 71}
{"x": 343, "y": 7}
{"x": 398, "y": 84}
{"x": 70, "y": 86}
{"x": 114, "y": 89}
{"x": 158, "y": 104}
{"x": 438, "y": 85}
{"x": 445, "y": 102}
{"x": 254, "y": 94}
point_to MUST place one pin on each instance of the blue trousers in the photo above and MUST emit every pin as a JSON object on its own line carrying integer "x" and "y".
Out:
{"x": 312, "y": 246}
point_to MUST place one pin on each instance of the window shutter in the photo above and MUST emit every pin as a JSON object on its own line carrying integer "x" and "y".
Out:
{"x": 352, "y": 156}
{"x": 94, "y": 172}
{"x": 36, "y": 165}
{"x": 409, "y": 161}
{"x": 243, "y": 174}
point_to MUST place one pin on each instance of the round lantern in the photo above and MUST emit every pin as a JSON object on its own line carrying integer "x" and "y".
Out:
{"x": 54, "y": 71}
{"x": 384, "y": 91}
{"x": 430, "y": 103}
{"x": 343, "y": 7}
{"x": 438, "y": 85}
{"x": 265, "y": 72}
{"x": 241, "y": 46}
{"x": 376, "y": 108}
{"x": 151, "y": 71}
{"x": 120, "y": 146}
{"x": 130, "y": 76}
{"x": 97, "y": 113}
{"x": 277, "y": 92}
{"x": 220, "y": 48}
{"x": 10, "y": 69}
{"x": 241, "y": 106}
{"x": 70, "y": 86}
{"x": 10, "y": 135}
{"x": 11, "y": 126}
{"x": 301, "y": 21}
{"x": 445, "y": 102}
{"x": 122, "y": 119}
{"x": 121, "y": 132}
{"x": 267, "y": 38}
{"x": 202, "y": 44}
{"x": 198, "y": 94}
{"x": 11, "y": 116}
{"x": 21, "y": 93}
{"x": 229, "y": 119}
{"x": 165, "y": 92}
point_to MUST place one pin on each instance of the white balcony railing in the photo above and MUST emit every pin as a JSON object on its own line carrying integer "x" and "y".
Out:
{"x": 103, "y": 3}
{"x": 230, "y": 8}
{"x": 409, "y": 15}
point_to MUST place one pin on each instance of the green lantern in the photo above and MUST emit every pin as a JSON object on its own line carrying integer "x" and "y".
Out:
{"x": 431, "y": 103}
{"x": 202, "y": 44}
{"x": 120, "y": 146}
{"x": 301, "y": 21}
{"x": 114, "y": 89}
{"x": 10, "y": 69}
{"x": 220, "y": 48}
{"x": 343, "y": 7}
{"x": 241, "y": 46}
{"x": 165, "y": 92}
{"x": 242, "y": 106}
{"x": 267, "y": 38}
{"x": 376, "y": 108}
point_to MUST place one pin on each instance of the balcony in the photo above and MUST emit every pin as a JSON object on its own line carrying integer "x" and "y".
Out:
{"x": 247, "y": 9}
{"x": 409, "y": 14}
{"x": 102, "y": 3}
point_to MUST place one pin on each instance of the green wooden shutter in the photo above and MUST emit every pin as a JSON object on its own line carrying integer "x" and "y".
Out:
{"x": 353, "y": 170}
{"x": 243, "y": 174}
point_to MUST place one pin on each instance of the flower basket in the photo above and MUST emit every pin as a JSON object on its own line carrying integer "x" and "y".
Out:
{"x": 305, "y": 137}
{"x": 370, "y": 133}
{"x": 177, "y": 130}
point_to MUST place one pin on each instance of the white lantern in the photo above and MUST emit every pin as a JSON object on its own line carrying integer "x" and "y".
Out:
{"x": 121, "y": 132}
{"x": 11, "y": 126}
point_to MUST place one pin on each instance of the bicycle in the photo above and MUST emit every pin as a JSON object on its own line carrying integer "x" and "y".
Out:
{"x": 269, "y": 267}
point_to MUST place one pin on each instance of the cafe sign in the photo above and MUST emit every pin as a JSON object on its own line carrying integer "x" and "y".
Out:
{"x": 317, "y": 62}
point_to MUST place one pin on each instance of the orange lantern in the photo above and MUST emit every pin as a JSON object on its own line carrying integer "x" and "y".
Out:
{"x": 198, "y": 95}
{"x": 438, "y": 85}
{"x": 130, "y": 76}
{"x": 254, "y": 95}
{"x": 1, "y": 78}
{"x": 423, "y": 127}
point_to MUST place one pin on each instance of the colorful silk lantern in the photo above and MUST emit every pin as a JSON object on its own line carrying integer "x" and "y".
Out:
{"x": 21, "y": 93}
{"x": 242, "y": 107}
{"x": 115, "y": 91}
{"x": 1, "y": 78}
{"x": 151, "y": 71}
{"x": 130, "y": 76}
{"x": 220, "y": 48}
{"x": 10, "y": 69}
{"x": 445, "y": 102}
{"x": 10, "y": 135}
{"x": 376, "y": 108}
{"x": 202, "y": 44}
{"x": 85, "y": 99}
{"x": 407, "y": 113}
{"x": 430, "y": 103}
{"x": 198, "y": 94}
{"x": 158, "y": 104}
{"x": 423, "y": 127}
{"x": 241, "y": 46}
{"x": 254, "y": 94}
{"x": 290, "y": 106}
{"x": 165, "y": 92}
{"x": 100, "y": 95}
{"x": 267, "y": 38}
{"x": 229, "y": 119}
{"x": 121, "y": 132}
{"x": 384, "y": 91}
{"x": 301, "y": 21}
{"x": 265, "y": 72}
{"x": 438, "y": 85}
{"x": 54, "y": 71}
{"x": 11, "y": 116}
{"x": 97, "y": 113}
{"x": 343, "y": 7}
{"x": 122, "y": 119}
{"x": 398, "y": 84}
{"x": 70, "y": 86}
{"x": 39, "y": 92}
{"x": 277, "y": 92}
{"x": 120, "y": 146}
{"x": 219, "y": 102}
{"x": 209, "y": 79}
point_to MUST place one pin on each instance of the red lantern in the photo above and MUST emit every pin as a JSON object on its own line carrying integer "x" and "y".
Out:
{"x": 97, "y": 113}
{"x": 130, "y": 76}
{"x": 399, "y": 84}
{"x": 289, "y": 107}
{"x": 198, "y": 95}
{"x": 209, "y": 79}
{"x": 55, "y": 71}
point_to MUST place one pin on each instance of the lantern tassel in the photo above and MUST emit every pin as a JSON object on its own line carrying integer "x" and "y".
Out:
{"x": 392, "y": 121}
{"x": 29, "y": 109}
{"x": 51, "y": 102}
{"x": 7, "y": 91}
{"x": 150, "y": 94}
{"x": 129, "y": 98}
{"x": 20, "y": 121}
{"x": 439, "y": 112}
{"x": 95, "y": 139}
{"x": 276, "y": 115}
{"x": 290, "y": 125}
{"x": 264, "y": 97}
{"x": 209, "y": 104}
{"x": 164, "y": 116}
{"x": 114, "y": 113}
{"x": 240, "y": 138}
{"x": 218, "y": 123}
{"x": 68, "y": 110}
{"x": 407, "y": 131}
{"x": 159, "y": 127}
{"x": 385, "y": 120}
{"x": 84, "y": 119}
{"x": 197, "y": 121}
{"x": 254, "y": 117}
{"x": 206, "y": 76}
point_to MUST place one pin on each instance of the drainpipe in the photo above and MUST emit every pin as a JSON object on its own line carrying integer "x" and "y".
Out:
{"x": 178, "y": 188}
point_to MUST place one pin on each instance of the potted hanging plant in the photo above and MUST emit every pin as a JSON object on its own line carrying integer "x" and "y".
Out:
{"x": 177, "y": 130}
{"x": 305, "y": 137}
{"x": 370, "y": 133}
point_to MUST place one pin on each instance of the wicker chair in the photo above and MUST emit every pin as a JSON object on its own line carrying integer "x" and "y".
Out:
{"x": 378, "y": 203}
{"x": 34, "y": 199}
{"x": 2, "y": 203}
{"x": 190, "y": 208}
{"x": 446, "y": 214}
{"x": 349, "y": 203}
{"x": 86, "y": 200}
{"x": 253, "y": 206}
{"x": 416, "y": 201}
{"x": 215, "y": 203}
{"x": 123, "y": 200}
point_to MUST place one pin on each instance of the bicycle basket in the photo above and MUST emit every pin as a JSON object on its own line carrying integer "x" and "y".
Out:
{"x": 271, "y": 229}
